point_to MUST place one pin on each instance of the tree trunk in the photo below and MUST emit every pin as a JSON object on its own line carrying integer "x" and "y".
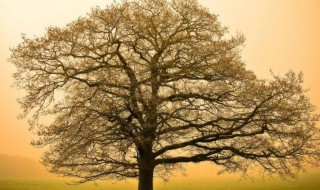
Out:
{"x": 145, "y": 179}
{"x": 146, "y": 167}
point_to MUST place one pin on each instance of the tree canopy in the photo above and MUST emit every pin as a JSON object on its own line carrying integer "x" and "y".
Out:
{"x": 143, "y": 86}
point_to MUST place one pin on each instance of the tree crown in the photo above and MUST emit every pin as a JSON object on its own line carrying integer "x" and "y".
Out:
{"x": 151, "y": 84}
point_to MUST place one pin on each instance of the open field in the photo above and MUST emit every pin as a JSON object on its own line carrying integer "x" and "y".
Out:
{"x": 18, "y": 173}
{"x": 306, "y": 182}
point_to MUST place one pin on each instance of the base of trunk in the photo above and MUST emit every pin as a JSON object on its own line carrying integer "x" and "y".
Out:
{"x": 145, "y": 179}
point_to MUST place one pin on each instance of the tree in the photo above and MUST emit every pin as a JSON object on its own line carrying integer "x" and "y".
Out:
{"x": 143, "y": 86}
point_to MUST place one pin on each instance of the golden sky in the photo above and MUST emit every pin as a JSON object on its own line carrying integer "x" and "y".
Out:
{"x": 281, "y": 35}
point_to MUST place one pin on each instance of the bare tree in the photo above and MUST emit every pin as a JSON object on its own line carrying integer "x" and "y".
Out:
{"x": 143, "y": 86}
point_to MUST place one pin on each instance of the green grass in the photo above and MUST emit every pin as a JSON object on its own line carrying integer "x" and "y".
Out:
{"x": 306, "y": 182}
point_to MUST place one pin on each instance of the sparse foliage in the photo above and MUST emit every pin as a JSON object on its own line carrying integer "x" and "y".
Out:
{"x": 144, "y": 86}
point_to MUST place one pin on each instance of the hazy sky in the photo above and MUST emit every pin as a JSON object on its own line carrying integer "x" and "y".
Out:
{"x": 281, "y": 35}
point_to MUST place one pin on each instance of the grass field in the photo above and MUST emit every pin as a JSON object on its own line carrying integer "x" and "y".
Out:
{"x": 18, "y": 173}
{"x": 307, "y": 182}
